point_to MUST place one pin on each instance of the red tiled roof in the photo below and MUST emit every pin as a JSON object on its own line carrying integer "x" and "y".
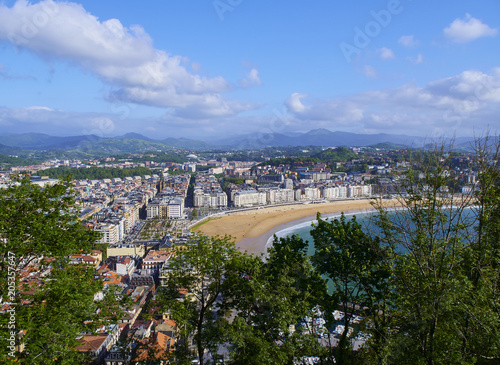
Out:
{"x": 90, "y": 343}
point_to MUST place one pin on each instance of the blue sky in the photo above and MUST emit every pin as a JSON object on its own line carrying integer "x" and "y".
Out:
{"x": 212, "y": 68}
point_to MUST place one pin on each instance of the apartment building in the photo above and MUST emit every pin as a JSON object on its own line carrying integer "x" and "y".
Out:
{"x": 249, "y": 198}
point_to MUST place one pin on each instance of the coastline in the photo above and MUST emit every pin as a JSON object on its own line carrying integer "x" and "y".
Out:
{"x": 259, "y": 245}
{"x": 251, "y": 230}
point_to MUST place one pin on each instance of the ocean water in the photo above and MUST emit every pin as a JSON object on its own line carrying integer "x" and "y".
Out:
{"x": 303, "y": 229}
{"x": 366, "y": 219}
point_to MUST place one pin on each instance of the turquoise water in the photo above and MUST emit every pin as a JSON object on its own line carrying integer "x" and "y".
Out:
{"x": 363, "y": 218}
{"x": 303, "y": 229}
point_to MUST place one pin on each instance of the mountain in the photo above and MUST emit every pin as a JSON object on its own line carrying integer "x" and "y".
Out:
{"x": 317, "y": 137}
{"x": 133, "y": 136}
{"x": 41, "y": 141}
{"x": 7, "y": 150}
{"x": 137, "y": 143}
{"x": 470, "y": 144}
{"x": 190, "y": 144}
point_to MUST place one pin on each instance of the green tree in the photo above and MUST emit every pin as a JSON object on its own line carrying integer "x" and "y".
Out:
{"x": 268, "y": 297}
{"x": 39, "y": 229}
{"x": 481, "y": 266}
{"x": 429, "y": 240}
{"x": 358, "y": 268}
{"x": 193, "y": 292}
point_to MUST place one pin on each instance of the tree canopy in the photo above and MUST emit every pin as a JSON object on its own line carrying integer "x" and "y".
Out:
{"x": 38, "y": 230}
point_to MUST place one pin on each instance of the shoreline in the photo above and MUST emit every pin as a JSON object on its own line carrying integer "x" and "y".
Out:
{"x": 252, "y": 229}
{"x": 259, "y": 245}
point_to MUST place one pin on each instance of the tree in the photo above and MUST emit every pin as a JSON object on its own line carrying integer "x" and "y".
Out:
{"x": 481, "y": 267}
{"x": 39, "y": 228}
{"x": 358, "y": 269}
{"x": 193, "y": 289}
{"x": 267, "y": 297}
{"x": 432, "y": 243}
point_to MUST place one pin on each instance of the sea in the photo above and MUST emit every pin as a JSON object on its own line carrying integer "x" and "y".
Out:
{"x": 366, "y": 219}
{"x": 303, "y": 229}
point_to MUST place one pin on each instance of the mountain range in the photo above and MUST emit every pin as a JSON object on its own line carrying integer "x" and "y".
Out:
{"x": 134, "y": 142}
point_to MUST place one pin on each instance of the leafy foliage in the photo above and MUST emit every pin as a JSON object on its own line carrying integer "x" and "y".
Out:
{"x": 95, "y": 173}
{"x": 39, "y": 227}
{"x": 358, "y": 268}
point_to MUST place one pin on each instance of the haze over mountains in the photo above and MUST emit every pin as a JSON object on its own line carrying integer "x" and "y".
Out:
{"x": 134, "y": 142}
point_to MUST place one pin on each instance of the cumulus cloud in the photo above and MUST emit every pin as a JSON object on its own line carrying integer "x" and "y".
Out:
{"x": 342, "y": 111}
{"x": 251, "y": 79}
{"x": 294, "y": 104}
{"x": 122, "y": 56}
{"x": 456, "y": 104}
{"x": 53, "y": 121}
{"x": 385, "y": 53}
{"x": 408, "y": 41}
{"x": 468, "y": 29}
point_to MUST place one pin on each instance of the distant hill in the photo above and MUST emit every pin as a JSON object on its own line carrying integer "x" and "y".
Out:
{"x": 41, "y": 141}
{"x": 7, "y": 150}
{"x": 319, "y": 137}
{"x": 190, "y": 144}
{"x": 336, "y": 155}
{"x": 137, "y": 143}
{"x": 133, "y": 136}
{"x": 388, "y": 146}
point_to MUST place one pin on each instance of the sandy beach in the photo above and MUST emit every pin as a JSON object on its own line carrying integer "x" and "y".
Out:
{"x": 252, "y": 229}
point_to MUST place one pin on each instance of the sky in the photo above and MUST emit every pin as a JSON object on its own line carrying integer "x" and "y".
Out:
{"x": 205, "y": 69}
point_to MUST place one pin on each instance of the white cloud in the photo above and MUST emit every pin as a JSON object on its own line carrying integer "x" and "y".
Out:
{"x": 252, "y": 79}
{"x": 40, "y": 108}
{"x": 385, "y": 53}
{"x": 408, "y": 41}
{"x": 369, "y": 72}
{"x": 123, "y": 57}
{"x": 100, "y": 126}
{"x": 462, "y": 104}
{"x": 341, "y": 111}
{"x": 418, "y": 59}
{"x": 468, "y": 29}
{"x": 294, "y": 104}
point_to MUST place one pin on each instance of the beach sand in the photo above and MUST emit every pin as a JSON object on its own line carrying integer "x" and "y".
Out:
{"x": 251, "y": 229}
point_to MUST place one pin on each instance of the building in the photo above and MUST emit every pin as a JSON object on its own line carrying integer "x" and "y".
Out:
{"x": 111, "y": 233}
{"x": 166, "y": 207}
{"x": 280, "y": 196}
{"x": 126, "y": 250}
{"x": 249, "y": 198}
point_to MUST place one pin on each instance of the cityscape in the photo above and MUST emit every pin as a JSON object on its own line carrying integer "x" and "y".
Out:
{"x": 244, "y": 182}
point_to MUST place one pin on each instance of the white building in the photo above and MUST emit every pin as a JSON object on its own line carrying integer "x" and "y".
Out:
{"x": 307, "y": 194}
{"x": 110, "y": 232}
{"x": 280, "y": 196}
{"x": 202, "y": 199}
{"x": 249, "y": 198}
{"x": 171, "y": 208}
{"x": 359, "y": 191}
{"x": 125, "y": 265}
{"x": 330, "y": 192}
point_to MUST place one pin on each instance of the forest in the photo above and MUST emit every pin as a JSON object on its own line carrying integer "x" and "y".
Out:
{"x": 94, "y": 173}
